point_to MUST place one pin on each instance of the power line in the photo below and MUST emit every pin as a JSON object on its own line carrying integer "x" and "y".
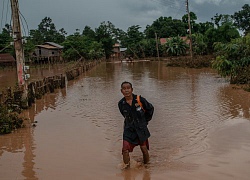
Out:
{"x": 5, "y": 12}
{"x": 2, "y": 14}
{"x": 25, "y": 23}
{"x": 6, "y": 17}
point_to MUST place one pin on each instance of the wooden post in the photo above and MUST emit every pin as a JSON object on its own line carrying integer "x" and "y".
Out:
{"x": 157, "y": 47}
{"x": 18, "y": 45}
{"x": 190, "y": 33}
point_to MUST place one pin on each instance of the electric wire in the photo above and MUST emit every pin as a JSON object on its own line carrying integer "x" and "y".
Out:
{"x": 2, "y": 15}
{"x": 26, "y": 34}
{"x": 6, "y": 17}
{"x": 5, "y": 12}
{"x": 22, "y": 17}
{"x": 25, "y": 23}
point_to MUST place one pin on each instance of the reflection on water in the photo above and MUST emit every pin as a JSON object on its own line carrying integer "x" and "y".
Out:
{"x": 8, "y": 76}
{"x": 79, "y": 128}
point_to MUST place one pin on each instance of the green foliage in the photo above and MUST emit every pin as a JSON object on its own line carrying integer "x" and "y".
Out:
{"x": 199, "y": 44}
{"x": 223, "y": 66}
{"x": 242, "y": 19}
{"x": 203, "y": 27}
{"x": 134, "y": 36}
{"x": 233, "y": 59}
{"x": 224, "y": 33}
{"x": 134, "y": 41}
{"x": 105, "y": 34}
{"x": 9, "y": 121}
{"x": 29, "y": 48}
{"x": 176, "y": 46}
{"x": 88, "y": 32}
{"x": 92, "y": 44}
{"x": 47, "y": 32}
{"x": 166, "y": 27}
{"x": 77, "y": 46}
{"x": 5, "y": 40}
{"x": 149, "y": 48}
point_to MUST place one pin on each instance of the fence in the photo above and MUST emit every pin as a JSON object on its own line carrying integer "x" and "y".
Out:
{"x": 13, "y": 97}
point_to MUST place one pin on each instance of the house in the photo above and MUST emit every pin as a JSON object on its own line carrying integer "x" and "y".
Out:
{"x": 7, "y": 59}
{"x": 118, "y": 51}
{"x": 48, "y": 52}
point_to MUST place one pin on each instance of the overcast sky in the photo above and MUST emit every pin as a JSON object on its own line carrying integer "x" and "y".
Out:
{"x": 76, "y": 14}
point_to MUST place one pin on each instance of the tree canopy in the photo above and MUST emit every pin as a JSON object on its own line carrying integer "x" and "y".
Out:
{"x": 97, "y": 42}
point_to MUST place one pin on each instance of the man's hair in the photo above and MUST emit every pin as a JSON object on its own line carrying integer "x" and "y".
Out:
{"x": 126, "y": 82}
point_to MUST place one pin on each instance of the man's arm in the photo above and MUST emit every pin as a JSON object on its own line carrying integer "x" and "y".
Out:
{"x": 120, "y": 107}
{"x": 149, "y": 109}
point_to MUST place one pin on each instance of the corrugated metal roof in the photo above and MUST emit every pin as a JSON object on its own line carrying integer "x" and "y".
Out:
{"x": 50, "y": 45}
{"x": 46, "y": 46}
{"x": 123, "y": 49}
{"x": 6, "y": 57}
{"x": 54, "y": 44}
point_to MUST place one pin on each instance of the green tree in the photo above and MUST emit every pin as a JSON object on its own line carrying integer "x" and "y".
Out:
{"x": 77, "y": 46}
{"x": 242, "y": 19}
{"x": 47, "y": 32}
{"x": 176, "y": 46}
{"x": 5, "y": 40}
{"x": 233, "y": 59}
{"x": 29, "y": 48}
{"x": 149, "y": 48}
{"x": 87, "y": 31}
{"x": 223, "y": 32}
{"x": 194, "y": 27}
{"x": 105, "y": 35}
{"x": 199, "y": 44}
{"x": 132, "y": 41}
{"x": 166, "y": 27}
{"x": 203, "y": 27}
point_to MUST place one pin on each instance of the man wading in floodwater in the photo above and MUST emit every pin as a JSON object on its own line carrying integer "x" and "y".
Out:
{"x": 137, "y": 112}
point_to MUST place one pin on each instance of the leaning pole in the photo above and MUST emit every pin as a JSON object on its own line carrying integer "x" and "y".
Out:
{"x": 18, "y": 45}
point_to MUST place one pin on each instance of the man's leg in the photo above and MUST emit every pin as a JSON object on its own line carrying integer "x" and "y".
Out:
{"x": 145, "y": 154}
{"x": 126, "y": 158}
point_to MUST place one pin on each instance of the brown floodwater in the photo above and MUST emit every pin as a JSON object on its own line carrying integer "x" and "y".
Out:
{"x": 200, "y": 129}
{"x": 8, "y": 76}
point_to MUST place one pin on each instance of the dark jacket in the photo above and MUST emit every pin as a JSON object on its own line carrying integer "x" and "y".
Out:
{"x": 136, "y": 119}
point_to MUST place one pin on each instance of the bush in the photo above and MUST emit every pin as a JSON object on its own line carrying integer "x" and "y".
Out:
{"x": 9, "y": 120}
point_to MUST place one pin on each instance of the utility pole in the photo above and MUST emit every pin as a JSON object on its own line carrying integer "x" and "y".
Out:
{"x": 18, "y": 45}
{"x": 190, "y": 33}
{"x": 157, "y": 47}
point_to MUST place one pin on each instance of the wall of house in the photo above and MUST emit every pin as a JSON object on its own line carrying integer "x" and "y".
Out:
{"x": 46, "y": 52}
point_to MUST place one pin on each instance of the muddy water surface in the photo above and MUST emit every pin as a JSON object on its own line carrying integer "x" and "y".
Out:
{"x": 200, "y": 129}
{"x": 8, "y": 76}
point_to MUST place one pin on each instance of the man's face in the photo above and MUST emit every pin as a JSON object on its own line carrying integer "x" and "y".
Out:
{"x": 126, "y": 90}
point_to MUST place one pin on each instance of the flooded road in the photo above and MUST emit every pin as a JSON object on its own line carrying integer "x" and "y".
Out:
{"x": 200, "y": 129}
{"x": 8, "y": 76}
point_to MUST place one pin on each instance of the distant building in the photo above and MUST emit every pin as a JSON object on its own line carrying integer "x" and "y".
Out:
{"x": 48, "y": 52}
{"x": 118, "y": 51}
{"x": 7, "y": 59}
